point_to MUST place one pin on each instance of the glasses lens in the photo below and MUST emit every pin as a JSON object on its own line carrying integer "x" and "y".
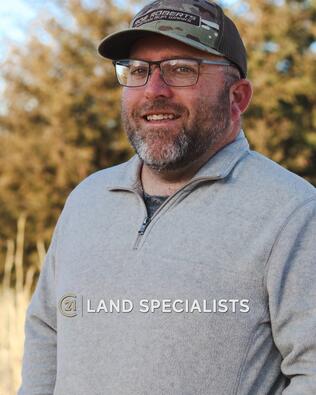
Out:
{"x": 180, "y": 72}
{"x": 132, "y": 72}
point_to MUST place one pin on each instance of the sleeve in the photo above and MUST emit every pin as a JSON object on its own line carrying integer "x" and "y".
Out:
{"x": 40, "y": 346}
{"x": 291, "y": 285}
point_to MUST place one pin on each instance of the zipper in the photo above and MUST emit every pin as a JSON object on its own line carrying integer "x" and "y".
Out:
{"x": 147, "y": 220}
{"x": 144, "y": 226}
{"x": 141, "y": 231}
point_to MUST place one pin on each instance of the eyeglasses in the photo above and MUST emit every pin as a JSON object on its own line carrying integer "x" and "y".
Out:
{"x": 174, "y": 72}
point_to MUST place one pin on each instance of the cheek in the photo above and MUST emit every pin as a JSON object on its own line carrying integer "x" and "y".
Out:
{"x": 130, "y": 99}
{"x": 196, "y": 104}
{"x": 209, "y": 94}
{"x": 198, "y": 97}
{"x": 125, "y": 98}
{"x": 189, "y": 98}
{"x": 209, "y": 86}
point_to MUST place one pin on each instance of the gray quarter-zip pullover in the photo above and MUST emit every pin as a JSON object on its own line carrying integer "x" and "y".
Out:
{"x": 215, "y": 295}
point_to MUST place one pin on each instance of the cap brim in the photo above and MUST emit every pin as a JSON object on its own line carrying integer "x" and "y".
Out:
{"x": 117, "y": 45}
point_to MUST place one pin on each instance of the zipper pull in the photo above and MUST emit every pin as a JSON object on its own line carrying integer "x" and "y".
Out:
{"x": 144, "y": 226}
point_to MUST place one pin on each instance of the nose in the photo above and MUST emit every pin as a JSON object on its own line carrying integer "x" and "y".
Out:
{"x": 156, "y": 86}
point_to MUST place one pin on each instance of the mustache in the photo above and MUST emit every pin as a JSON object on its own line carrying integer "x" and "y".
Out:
{"x": 159, "y": 105}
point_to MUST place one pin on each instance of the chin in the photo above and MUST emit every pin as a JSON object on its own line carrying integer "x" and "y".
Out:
{"x": 164, "y": 163}
{"x": 167, "y": 156}
{"x": 158, "y": 163}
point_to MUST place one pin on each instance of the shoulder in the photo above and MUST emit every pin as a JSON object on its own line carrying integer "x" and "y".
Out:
{"x": 260, "y": 188}
{"x": 109, "y": 177}
{"x": 264, "y": 176}
{"x": 94, "y": 189}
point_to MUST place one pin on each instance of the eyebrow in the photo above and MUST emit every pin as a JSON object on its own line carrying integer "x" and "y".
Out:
{"x": 176, "y": 57}
{"x": 164, "y": 58}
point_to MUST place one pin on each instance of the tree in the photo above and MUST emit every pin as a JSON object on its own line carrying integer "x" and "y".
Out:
{"x": 60, "y": 115}
{"x": 61, "y": 119}
{"x": 281, "y": 121}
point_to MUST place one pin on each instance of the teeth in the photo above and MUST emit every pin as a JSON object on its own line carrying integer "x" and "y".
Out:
{"x": 159, "y": 117}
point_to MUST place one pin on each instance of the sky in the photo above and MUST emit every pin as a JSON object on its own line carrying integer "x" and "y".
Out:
{"x": 16, "y": 15}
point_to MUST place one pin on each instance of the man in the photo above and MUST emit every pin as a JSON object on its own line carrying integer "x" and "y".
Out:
{"x": 190, "y": 269}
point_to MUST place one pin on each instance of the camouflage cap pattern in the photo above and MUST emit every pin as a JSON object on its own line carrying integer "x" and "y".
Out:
{"x": 201, "y": 24}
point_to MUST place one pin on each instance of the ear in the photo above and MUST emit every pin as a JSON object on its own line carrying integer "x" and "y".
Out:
{"x": 240, "y": 97}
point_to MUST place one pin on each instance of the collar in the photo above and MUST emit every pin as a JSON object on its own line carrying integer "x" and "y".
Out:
{"x": 217, "y": 167}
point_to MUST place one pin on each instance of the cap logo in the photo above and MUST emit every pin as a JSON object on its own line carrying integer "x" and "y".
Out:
{"x": 167, "y": 15}
{"x": 208, "y": 25}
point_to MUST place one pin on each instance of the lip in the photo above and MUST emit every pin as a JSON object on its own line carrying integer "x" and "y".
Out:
{"x": 160, "y": 112}
{"x": 145, "y": 115}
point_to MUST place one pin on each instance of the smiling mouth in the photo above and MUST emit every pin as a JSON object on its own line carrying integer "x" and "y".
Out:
{"x": 160, "y": 117}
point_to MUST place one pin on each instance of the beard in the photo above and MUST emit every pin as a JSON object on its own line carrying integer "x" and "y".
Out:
{"x": 161, "y": 150}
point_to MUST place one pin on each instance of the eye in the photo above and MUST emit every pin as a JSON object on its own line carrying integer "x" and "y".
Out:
{"x": 138, "y": 71}
{"x": 183, "y": 69}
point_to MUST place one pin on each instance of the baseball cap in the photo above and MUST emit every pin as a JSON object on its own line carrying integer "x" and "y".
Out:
{"x": 201, "y": 24}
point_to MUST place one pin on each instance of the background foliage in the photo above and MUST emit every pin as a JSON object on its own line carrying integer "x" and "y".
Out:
{"x": 60, "y": 113}
{"x": 281, "y": 122}
{"x": 60, "y": 121}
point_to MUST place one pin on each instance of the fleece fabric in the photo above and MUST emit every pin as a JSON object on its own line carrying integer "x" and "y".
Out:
{"x": 214, "y": 295}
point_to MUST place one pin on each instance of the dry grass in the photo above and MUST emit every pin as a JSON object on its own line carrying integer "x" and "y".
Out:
{"x": 13, "y": 305}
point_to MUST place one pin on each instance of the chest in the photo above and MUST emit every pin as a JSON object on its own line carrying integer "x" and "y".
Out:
{"x": 195, "y": 247}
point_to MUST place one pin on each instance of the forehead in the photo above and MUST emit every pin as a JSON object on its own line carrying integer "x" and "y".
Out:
{"x": 157, "y": 46}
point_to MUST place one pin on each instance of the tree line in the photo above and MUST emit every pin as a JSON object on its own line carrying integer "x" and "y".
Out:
{"x": 60, "y": 111}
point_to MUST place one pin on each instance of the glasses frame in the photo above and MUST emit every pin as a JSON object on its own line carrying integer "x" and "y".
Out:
{"x": 158, "y": 63}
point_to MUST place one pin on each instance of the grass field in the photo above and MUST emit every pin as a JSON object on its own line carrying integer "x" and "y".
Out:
{"x": 15, "y": 293}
